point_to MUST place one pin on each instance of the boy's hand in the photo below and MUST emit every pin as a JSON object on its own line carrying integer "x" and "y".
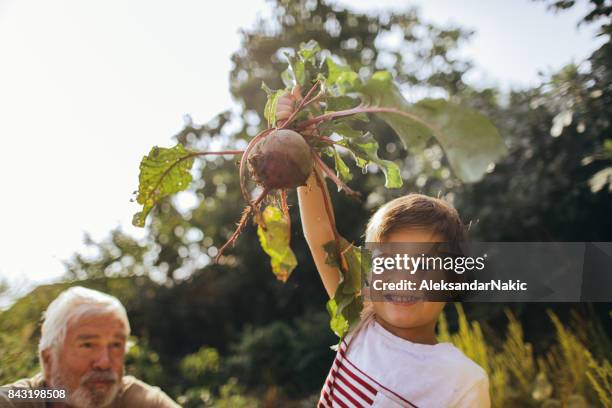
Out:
{"x": 317, "y": 228}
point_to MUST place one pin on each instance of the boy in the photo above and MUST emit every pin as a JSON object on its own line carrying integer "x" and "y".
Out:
{"x": 392, "y": 359}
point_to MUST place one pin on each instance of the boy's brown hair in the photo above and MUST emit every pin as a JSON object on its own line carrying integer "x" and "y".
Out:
{"x": 411, "y": 211}
{"x": 416, "y": 211}
{"x": 421, "y": 211}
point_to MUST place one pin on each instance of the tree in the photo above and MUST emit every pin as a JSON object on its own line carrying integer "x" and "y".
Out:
{"x": 541, "y": 191}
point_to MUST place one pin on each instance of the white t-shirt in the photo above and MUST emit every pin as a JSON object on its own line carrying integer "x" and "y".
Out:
{"x": 385, "y": 371}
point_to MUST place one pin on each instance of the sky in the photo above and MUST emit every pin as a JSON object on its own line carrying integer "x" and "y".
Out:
{"x": 86, "y": 88}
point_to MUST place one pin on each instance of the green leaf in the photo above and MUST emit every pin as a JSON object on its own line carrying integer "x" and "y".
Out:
{"x": 469, "y": 139}
{"x": 366, "y": 262}
{"x": 309, "y": 51}
{"x": 352, "y": 282}
{"x": 270, "y": 108}
{"x": 381, "y": 91}
{"x": 346, "y": 305}
{"x": 340, "y": 127}
{"x": 365, "y": 151}
{"x": 164, "y": 171}
{"x": 300, "y": 69}
{"x": 274, "y": 239}
{"x": 352, "y": 311}
{"x": 344, "y": 312}
{"x": 337, "y": 322}
{"x": 287, "y": 78}
{"x": 351, "y": 275}
{"x": 343, "y": 317}
{"x": 331, "y": 258}
{"x": 299, "y": 72}
{"x": 295, "y": 72}
{"x": 342, "y": 169}
{"x": 339, "y": 103}
{"x": 341, "y": 78}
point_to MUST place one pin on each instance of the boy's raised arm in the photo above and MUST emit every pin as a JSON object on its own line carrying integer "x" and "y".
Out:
{"x": 317, "y": 229}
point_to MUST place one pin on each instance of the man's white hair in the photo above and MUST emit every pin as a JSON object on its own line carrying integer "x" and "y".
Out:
{"x": 71, "y": 305}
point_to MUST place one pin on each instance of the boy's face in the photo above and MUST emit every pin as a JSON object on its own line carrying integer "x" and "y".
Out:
{"x": 414, "y": 314}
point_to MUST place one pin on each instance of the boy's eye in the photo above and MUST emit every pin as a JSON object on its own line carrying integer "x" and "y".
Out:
{"x": 86, "y": 345}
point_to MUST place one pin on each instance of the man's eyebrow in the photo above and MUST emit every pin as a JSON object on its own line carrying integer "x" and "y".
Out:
{"x": 87, "y": 336}
{"x": 96, "y": 336}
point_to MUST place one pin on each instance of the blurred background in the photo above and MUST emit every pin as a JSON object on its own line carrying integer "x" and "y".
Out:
{"x": 87, "y": 89}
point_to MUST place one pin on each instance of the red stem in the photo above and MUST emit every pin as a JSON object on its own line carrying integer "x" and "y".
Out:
{"x": 330, "y": 173}
{"x": 365, "y": 109}
{"x": 301, "y": 105}
{"x": 243, "y": 161}
{"x": 221, "y": 152}
{"x": 285, "y": 208}
{"x": 241, "y": 224}
{"x": 314, "y": 99}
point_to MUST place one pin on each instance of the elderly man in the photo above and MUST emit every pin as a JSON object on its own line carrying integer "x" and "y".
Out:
{"x": 81, "y": 350}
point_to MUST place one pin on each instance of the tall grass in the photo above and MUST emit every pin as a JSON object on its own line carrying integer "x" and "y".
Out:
{"x": 566, "y": 375}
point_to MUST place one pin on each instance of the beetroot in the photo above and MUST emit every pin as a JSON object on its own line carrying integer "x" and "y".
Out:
{"x": 281, "y": 160}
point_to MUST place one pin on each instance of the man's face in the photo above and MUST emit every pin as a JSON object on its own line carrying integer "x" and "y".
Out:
{"x": 89, "y": 365}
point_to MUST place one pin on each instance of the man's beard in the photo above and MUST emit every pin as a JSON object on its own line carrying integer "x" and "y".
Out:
{"x": 86, "y": 396}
